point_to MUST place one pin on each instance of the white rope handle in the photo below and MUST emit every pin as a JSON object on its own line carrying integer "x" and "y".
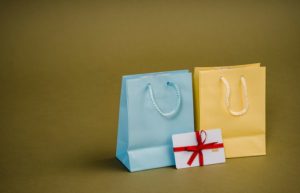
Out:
{"x": 228, "y": 93}
{"x": 175, "y": 110}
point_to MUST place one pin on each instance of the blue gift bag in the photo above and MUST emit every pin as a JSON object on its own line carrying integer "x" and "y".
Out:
{"x": 153, "y": 107}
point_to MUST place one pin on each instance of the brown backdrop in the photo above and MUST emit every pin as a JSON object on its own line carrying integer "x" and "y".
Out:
{"x": 61, "y": 64}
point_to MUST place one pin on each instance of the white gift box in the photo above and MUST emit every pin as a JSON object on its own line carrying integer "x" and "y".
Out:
{"x": 189, "y": 153}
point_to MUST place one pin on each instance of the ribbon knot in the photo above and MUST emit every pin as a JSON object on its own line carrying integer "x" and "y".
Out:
{"x": 197, "y": 149}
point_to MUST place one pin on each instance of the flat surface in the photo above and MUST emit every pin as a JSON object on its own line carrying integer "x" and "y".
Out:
{"x": 60, "y": 75}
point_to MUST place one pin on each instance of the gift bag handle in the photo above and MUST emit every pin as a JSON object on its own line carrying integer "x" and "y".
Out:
{"x": 228, "y": 93}
{"x": 178, "y": 95}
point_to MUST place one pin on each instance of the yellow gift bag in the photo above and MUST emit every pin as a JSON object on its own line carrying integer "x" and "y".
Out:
{"x": 233, "y": 98}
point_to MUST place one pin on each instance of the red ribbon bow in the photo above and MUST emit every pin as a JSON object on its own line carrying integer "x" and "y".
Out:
{"x": 197, "y": 149}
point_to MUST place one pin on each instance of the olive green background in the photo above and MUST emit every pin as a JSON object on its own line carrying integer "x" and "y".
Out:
{"x": 61, "y": 64}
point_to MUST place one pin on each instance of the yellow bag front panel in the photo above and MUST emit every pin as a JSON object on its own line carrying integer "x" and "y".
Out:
{"x": 243, "y": 135}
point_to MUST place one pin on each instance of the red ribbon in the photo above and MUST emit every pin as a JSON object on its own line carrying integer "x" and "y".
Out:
{"x": 197, "y": 149}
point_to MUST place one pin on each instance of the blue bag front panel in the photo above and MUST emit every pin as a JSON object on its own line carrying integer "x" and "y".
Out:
{"x": 149, "y": 133}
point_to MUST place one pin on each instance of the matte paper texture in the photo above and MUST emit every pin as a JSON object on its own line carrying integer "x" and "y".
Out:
{"x": 244, "y": 135}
